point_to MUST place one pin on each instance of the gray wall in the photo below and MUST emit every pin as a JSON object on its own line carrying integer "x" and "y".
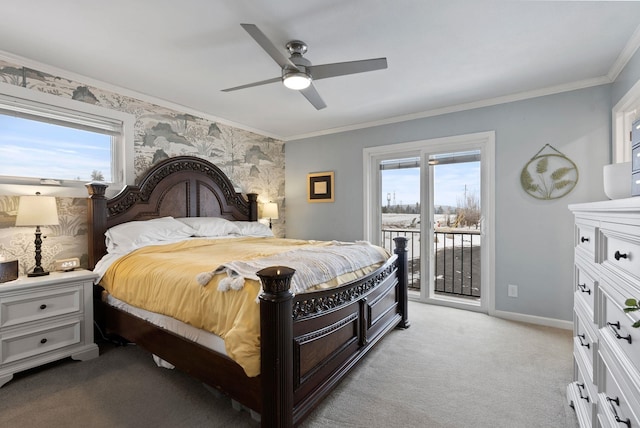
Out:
{"x": 534, "y": 239}
{"x": 626, "y": 79}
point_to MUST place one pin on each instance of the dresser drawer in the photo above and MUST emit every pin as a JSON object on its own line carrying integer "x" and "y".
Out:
{"x": 635, "y": 158}
{"x": 582, "y": 394}
{"x": 585, "y": 345}
{"x": 585, "y": 288}
{"x": 586, "y": 234}
{"x": 616, "y": 328}
{"x": 635, "y": 133}
{"x": 615, "y": 404}
{"x": 21, "y": 345}
{"x": 22, "y": 308}
{"x": 621, "y": 250}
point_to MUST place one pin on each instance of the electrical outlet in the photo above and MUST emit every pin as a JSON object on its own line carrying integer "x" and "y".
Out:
{"x": 512, "y": 290}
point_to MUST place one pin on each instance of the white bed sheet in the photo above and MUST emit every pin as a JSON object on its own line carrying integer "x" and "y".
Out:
{"x": 201, "y": 337}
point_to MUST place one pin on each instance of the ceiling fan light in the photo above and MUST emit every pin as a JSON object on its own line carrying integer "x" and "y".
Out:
{"x": 296, "y": 80}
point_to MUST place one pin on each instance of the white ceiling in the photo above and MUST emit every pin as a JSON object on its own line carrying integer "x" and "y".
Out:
{"x": 443, "y": 55}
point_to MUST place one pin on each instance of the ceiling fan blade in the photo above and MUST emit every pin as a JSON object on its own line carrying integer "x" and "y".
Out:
{"x": 251, "y": 85}
{"x": 343, "y": 68}
{"x": 311, "y": 94}
{"x": 269, "y": 47}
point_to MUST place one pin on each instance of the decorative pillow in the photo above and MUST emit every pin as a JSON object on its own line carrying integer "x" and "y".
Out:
{"x": 129, "y": 236}
{"x": 210, "y": 226}
{"x": 253, "y": 228}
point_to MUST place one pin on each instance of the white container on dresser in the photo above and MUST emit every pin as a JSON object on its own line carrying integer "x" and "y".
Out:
{"x": 43, "y": 319}
{"x": 606, "y": 387}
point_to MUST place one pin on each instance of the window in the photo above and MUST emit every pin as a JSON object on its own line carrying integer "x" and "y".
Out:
{"x": 625, "y": 112}
{"x": 49, "y": 140}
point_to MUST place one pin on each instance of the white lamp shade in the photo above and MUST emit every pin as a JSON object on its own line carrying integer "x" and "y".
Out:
{"x": 270, "y": 210}
{"x": 37, "y": 211}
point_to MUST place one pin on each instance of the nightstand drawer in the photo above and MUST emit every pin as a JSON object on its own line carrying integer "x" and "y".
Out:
{"x": 21, "y": 345}
{"x": 22, "y": 308}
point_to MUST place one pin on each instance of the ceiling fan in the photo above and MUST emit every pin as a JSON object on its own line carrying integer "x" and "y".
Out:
{"x": 297, "y": 71}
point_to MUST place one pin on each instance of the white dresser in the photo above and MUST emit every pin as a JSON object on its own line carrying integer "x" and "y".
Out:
{"x": 44, "y": 319}
{"x": 606, "y": 387}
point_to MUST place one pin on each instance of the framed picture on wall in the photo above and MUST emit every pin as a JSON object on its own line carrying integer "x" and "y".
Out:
{"x": 320, "y": 187}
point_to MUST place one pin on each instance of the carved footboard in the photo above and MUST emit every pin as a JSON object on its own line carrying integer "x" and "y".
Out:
{"x": 310, "y": 341}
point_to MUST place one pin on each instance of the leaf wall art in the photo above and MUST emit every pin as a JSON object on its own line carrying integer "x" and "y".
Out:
{"x": 549, "y": 175}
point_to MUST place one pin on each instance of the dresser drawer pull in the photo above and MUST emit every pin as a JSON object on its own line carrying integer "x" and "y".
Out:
{"x": 582, "y": 336}
{"x": 618, "y": 255}
{"x": 580, "y": 388}
{"x": 616, "y": 400}
{"x": 615, "y": 326}
{"x": 43, "y": 307}
{"x": 43, "y": 340}
{"x": 584, "y": 288}
{"x": 583, "y": 239}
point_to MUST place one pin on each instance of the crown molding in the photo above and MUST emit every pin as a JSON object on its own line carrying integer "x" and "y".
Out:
{"x": 551, "y": 90}
{"x": 625, "y": 56}
{"x": 66, "y": 74}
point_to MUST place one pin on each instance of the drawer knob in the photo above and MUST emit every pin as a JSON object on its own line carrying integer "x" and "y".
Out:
{"x": 615, "y": 326}
{"x": 583, "y": 239}
{"x": 43, "y": 340}
{"x": 616, "y": 401}
{"x": 584, "y": 289}
{"x": 582, "y": 336}
{"x": 618, "y": 255}
{"x": 43, "y": 307}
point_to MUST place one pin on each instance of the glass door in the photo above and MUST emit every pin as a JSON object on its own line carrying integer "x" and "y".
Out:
{"x": 401, "y": 211}
{"x": 455, "y": 214}
{"x": 435, "y": 193}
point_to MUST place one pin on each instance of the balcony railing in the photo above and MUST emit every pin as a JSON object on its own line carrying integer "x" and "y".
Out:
{"x": 457, "y": 259}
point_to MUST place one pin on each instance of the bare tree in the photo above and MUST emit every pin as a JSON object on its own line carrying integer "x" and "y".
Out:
{"x": 468, "y": 211}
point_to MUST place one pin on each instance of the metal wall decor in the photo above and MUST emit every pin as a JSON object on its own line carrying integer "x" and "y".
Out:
{"x": 549, "y": 175}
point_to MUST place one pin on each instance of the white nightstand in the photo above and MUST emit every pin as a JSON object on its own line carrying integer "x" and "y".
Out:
{"x": 44, "y": 319}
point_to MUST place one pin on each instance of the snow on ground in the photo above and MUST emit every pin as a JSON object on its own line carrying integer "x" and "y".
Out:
{"x": 409, "y": 225}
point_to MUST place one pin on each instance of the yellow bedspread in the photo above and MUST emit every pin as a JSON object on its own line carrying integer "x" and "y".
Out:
{"x": 162, "y": 279}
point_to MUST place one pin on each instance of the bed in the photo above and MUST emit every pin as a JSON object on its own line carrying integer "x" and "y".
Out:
{"x": 308, "y": 341}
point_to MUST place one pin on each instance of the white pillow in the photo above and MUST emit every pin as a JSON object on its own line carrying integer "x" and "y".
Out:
{"x": 253, "y": 228}
{"x": 210, "y": 226}
{"x": 129, "y": 236}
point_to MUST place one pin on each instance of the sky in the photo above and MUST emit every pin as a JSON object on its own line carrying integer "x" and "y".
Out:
{"x": 52, "y": 151}
{"x": 449, "y": 183}
{"x": 63, "y": 153}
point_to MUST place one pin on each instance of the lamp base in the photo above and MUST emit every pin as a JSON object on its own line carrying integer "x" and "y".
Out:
{"x": 37, "y": 271}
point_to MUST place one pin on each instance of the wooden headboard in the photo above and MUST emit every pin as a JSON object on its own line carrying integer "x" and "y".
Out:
{"x": 182, "y": 186}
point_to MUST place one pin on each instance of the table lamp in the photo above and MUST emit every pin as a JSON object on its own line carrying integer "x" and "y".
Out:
{"x": 270, "y": 211}
{"x": 37, "y": 211}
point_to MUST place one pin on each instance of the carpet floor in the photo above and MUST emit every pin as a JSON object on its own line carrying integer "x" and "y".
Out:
{"x": 450, "y": 369}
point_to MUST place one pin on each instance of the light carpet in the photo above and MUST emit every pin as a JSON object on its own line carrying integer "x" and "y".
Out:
{"x": 450, "y": 369}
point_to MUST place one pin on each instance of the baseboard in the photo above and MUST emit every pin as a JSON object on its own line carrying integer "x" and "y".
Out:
{"x": 532, "y": 319}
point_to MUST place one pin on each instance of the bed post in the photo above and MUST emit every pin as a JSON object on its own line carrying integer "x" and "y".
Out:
{"x": 96, "y": 221}
{"x": 253, "y": 206}
{"x": 276, "y": 344}
{"x": 403, "y": 277}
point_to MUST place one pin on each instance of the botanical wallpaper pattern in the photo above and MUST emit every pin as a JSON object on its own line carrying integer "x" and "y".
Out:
{"x": 253, "y": 162}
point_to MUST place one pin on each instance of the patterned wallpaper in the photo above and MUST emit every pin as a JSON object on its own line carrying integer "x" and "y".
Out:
{"x": 253, "y": 162}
